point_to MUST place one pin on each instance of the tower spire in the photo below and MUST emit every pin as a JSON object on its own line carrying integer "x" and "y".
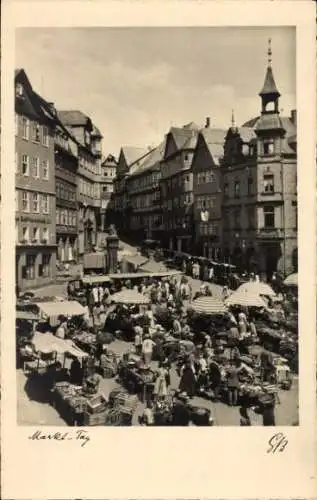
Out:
{"x": 233, "y": 121}
{"x": 269, "y": 52}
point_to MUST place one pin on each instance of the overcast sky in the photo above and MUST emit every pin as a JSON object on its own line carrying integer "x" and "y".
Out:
{"x": 135, "y": 83}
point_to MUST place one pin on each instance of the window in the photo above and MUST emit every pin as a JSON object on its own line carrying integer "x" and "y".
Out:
{"x": 16, "y": 163}
{"x": 74, "y": 219}
{"x": 45, "y": 268}
{"x": 36, "y": 132}
{"x": 45, "y": 235}
{"x": 187, "y": 178}
{"x": 226, "y": 189}
{"x": 269, "y": 217}
{"x": 25, "y": 165}
{"x": 25, "y": 234}
{"x": 25, "y": 128}
{"x": 268, "y": 147}
{"x": 58, "y": 216}
{"x": 45, "y": 138}
{"x": 25, "y": 201}
{"x": 250, "y": 185}
{"x": 35, "y": 167}
{"x": 87, "y": 137}
{"x": 16, "y": 124}
{"x": 210, "y": 177}
{"x": 236, "y": 189}
{"x": 19, "y": 90}
{"x": 35, "y": 234}
{"x": 16, "y": 195}
{"x": 268, "y": 183}
{"x": 250, "y": 214}
{"x": 35, "y": 202}
{"x": 236, "y": 216}
{"x": 45, "y": 203}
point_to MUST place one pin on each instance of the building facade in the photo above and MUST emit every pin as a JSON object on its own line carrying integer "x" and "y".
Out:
{"x": 88, "y": 139}
{"x": 177, "y": 188}
{"x": 129, "y": 158}
{"x": 108, "y": 175}
{"x": 35, "y": 187}
{"x": 206, "y": 169}
{"x": 259, "y": 185}
{"x": 66, "y": 164}
{"x": 143, "y": 190}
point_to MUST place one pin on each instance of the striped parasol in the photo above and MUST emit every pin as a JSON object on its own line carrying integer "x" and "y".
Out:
{"x": 257, "y": 288}
{"x": 291, "y": 280}
{"x": 245, "y": 299}
{"x": 208, "y": 305}
{"x": 129, "y": 297}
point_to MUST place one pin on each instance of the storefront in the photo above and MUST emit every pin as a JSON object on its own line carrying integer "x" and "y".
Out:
{"x": 35, "y": 267}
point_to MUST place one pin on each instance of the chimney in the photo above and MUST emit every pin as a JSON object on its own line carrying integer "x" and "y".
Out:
{"x": 207, "y": 122}
{"x": 294, "y": 116}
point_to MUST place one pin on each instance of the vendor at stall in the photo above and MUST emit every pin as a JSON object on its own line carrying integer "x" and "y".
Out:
{"x": 147, "y": 349}
{"x": 76, "y": 372}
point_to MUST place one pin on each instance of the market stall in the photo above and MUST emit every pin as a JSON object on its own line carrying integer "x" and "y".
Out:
{"x": 245, "y": 299}
{"x": 256, "y": 288}
{"x": 208, "y": 306}
{"x": 129, "y": 297}
{"x": 51, "y": 311}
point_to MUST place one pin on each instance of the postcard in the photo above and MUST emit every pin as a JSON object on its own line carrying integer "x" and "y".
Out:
{"x": 158, "y": 242}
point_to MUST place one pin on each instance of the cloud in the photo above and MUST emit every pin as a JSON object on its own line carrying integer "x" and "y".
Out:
{"x": 136, "y": 82}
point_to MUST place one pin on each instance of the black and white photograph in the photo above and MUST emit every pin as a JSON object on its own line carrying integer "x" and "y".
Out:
{"x": 156, "y": 226}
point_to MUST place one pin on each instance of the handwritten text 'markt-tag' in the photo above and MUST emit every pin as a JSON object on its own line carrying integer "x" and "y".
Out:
{"x": 81, "y": 436}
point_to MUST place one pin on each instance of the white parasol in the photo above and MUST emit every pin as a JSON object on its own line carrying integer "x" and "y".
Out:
{"x": 257, "y": 288}
{"x": 208, "y": 305}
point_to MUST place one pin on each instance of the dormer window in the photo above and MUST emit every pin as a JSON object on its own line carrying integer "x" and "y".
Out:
{"x": 268, "y": 147}
{"x": 19, "y": 90}
{"x": 87, "y": 138}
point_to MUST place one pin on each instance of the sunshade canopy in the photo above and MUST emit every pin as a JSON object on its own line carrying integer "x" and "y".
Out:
{"x": 131, "y": 276}
{"x": 245, "y": 299}
{"x": 52, "y": 310}
{"x": 208, "y": 305}
{"x": 27, "y": 315}
{"x": 291, "y": 280}
{"x": 153, "y": 267}
{"x": 94, "y": 280}
{"x": 257, "y": 288}
{"x": 129, "y": 297}
{"x": 47, "y": 343}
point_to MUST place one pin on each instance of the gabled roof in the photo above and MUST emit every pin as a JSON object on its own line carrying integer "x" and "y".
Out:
{"x": 182, "y": 135}
{"x": 109, "y": 161}
{"x": 32, "y": 104}
{"x": 269, "y": 86}
{"x": 152, "y": 159}
{"x": 247, "y": 134}
{"x": 133, "y": 154}
{"x": 214, "y": 139}
{"x": 73, "y": 117}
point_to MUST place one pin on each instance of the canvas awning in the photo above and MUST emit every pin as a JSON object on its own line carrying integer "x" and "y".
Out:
{"x": 95, "y": 280}
{"x": 129, "y": 297}
{"x": 52, "y": 310}
{"x": 208, "y": 305}
{"x": 291, "y": 280}
{"x": 258, "y": 288}
{"x": 136, "y": 260}
{"x": 47, "y": 343}
{"x": 27, "y": 315}
{"x": 153, "y": 267}
{"x": 245, "y": 299}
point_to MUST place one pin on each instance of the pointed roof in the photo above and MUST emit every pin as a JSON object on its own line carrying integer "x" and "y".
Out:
{"x": 269, "y": 86}
{"x": 133, "y": 154}
{"x": 214, "y": 139}
{"x": 73, "y": 117}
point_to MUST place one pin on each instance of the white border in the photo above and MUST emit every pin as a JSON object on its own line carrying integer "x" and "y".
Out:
{"x": 165, "y": 463}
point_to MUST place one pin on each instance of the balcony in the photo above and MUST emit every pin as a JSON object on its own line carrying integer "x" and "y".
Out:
{"x": 264, "y": 233}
